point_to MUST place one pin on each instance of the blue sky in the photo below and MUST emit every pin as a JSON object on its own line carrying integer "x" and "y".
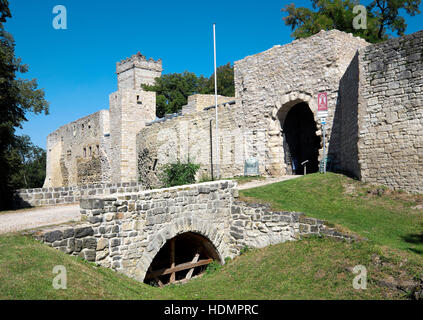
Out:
{"x": 76, "y": 66}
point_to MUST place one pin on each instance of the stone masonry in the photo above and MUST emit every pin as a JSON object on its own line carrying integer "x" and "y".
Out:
{"x": 126, "y": 231}
{"x": 390, "y": 113}
{"x": 373, "y": 126}
{"x": 37, "y": 197}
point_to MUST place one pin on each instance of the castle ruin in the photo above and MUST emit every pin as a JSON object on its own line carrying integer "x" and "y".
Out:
{"x": 374, "y": 123}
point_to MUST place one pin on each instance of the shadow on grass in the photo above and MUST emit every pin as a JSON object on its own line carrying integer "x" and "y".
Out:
{"x": 414, "y": 238}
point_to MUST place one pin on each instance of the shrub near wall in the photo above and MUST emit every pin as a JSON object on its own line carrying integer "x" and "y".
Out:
{"x": 177, "y": 173}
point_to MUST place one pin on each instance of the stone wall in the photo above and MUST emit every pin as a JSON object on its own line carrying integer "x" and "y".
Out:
{"x": 80, "y": 141}
{"x": 125, "y": 232}
{"x": 198, "y": 102}
{"x": 390, "y": 113}
{"x": 270, "y": 83}
{"x": 193, "y": 136}
{"x": 129, "y": 110}
{"x": 343, "y": 145}
{"x": 137, "y": 70}
{"x": 101, "y": 148}
{"x": 256, "y": 226}
{"x": 67, "y": 195}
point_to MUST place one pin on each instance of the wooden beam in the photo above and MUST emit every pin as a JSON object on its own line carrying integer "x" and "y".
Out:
{"x": 182, "y": 281}
{"x": 194, "y": 260}
{"x": 179, "y": 267}
{"x": 172, "y": 259}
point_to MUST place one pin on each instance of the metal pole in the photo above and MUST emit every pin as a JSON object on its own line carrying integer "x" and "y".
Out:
{"x": 211, "y": 149}
{"x": 324, "y": 147}
{"x": 215, "y": 98}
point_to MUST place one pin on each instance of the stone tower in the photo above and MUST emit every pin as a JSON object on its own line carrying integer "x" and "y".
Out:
{"x": 137, "y": 70}
{"x": 130, "y": 108}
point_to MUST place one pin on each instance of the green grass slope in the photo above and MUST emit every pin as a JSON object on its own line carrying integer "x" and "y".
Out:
{"x": 313, "y": 268}
{"x": 381, "y": 215}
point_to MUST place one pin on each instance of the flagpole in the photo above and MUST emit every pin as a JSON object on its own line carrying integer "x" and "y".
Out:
{"x": 215, "y": 101}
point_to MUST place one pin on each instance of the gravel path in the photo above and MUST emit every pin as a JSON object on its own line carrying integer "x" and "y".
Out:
{"x": 37, "y": 217}
{"x": 259, "y": 183}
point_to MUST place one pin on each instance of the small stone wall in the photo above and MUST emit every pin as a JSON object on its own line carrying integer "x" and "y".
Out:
{"x": 256, "y": 226}
{"x": 25, "y": 198}
{"x": 125, "y": 232}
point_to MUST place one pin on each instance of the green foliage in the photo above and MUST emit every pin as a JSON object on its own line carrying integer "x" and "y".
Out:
{"x": 245, "y": 249}
{"x": 387, "y": 13}
{"x": 338, "y": 14}
{"x": 213, "y": 267}
{"x": 225, "y": 82}
{"x": 29, "y": 170}
{"x": 178, "y": 173}
{"x": 174, "y": 89}
{"x": 17, "y": 97}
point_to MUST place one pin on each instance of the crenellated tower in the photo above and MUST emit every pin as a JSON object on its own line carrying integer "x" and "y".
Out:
{"x": 137, "y": 70}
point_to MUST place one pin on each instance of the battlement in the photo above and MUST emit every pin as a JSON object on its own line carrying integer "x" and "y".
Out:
{"x": 137, "y": 70}
{"x": 139, "y": 61}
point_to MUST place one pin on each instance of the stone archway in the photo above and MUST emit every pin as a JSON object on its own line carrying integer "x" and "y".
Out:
{"x": 181, "y": 258}
{"x": 278, "y": 147}
{"x": 180, "y": 226}
{"x": 300, "y": 142}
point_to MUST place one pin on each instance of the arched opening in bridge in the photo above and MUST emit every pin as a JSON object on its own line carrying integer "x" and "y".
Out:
{"x": 181, "y": 258}
{"x": 300, "y": 141}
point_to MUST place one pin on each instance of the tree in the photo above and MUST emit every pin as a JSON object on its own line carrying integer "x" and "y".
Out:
{"x": 338, "y": 14}
{"x": 17, "y": 97}
{"x": 174, "y": 89}
{"x": 387, "y": 13}
{"x": 29, "y": 169}
{"x": 225, "y": 81}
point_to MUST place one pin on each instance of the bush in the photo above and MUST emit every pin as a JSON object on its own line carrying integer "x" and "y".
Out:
{"x": 176, "y": 174}
{"x": 213, "y": 267}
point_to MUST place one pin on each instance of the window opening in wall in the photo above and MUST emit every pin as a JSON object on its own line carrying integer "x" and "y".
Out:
{"x": 98, "y": 149}
{"x": 90, "y": 152}
{"x": 85, "y": 152}
{"x": 154, "y": 165}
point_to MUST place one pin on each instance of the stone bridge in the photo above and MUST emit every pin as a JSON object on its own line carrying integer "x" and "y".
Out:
{"x": 159, "y": 232}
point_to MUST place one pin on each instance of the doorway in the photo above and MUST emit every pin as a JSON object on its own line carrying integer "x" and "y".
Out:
{"x": 300, "y": 141}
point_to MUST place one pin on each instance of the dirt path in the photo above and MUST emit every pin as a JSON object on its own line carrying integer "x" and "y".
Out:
{"x": 259, "y": 183}
{"x": 33, "y": 218}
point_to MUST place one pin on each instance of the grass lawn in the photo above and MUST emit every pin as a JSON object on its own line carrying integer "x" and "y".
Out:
{"x": 313, "y": 268}
{"x": 386, "y": 217}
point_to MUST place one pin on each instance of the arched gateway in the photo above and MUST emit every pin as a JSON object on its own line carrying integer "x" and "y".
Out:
{"x": 293, "y": 135}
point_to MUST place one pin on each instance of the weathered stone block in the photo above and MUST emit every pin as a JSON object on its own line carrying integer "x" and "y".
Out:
{"x": 83, "y": 232}
{"x": 53, "y": 236}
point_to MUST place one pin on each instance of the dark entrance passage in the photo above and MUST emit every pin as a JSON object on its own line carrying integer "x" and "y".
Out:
{"x": 181, "y": 258}
{"x": 300, "y": 140}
